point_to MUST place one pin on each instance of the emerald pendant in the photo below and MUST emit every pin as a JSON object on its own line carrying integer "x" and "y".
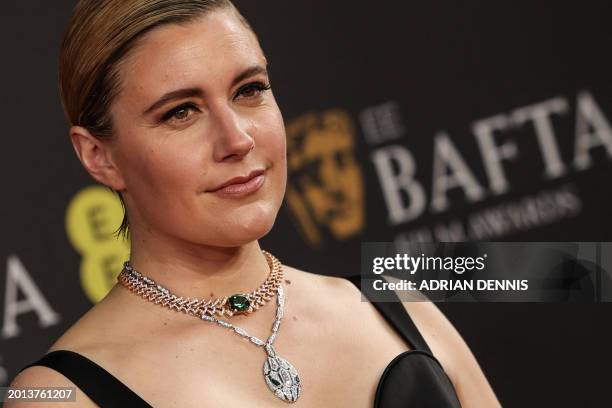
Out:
{"x": 239, "y": 302}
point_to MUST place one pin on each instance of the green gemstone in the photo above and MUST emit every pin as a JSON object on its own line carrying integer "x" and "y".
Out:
{"x": 239, "y": 303}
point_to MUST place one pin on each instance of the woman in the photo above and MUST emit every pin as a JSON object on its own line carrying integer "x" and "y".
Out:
{"x": 171, "y": 107}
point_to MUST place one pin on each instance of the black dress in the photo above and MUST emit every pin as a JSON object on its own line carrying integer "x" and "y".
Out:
{"x": 412, "y": 379}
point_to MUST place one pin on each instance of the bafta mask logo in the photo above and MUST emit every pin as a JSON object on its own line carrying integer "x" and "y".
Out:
{"x": 325, "y": 191}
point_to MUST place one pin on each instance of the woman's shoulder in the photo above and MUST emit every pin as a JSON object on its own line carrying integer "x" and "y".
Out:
{"x": 331, "y": 299}
{"x": 451, "y": 350}
{"x": 41, "y": 376}
{"x": 87, "y": 332}
{"x": 311, "y": 282}
{"x": 86, "y": 336}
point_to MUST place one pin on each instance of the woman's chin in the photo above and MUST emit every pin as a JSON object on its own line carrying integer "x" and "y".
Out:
{"x": 244, "y": 230}
{"x": 256, "y": 228}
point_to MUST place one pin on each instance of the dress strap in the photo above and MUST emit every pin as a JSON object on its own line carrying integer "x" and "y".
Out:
{"x": 101, "y": 386}
{"x": 398, "y": 317}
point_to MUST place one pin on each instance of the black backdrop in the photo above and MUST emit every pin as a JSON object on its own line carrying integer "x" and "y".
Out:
{"x": 408, "y": 87}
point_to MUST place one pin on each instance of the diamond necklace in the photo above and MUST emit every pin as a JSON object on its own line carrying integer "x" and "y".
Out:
{"x": 239, "y": 303}
{"x": 279, "y": 374}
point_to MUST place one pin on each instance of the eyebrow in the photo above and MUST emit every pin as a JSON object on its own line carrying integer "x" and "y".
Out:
{"x": 191, "y": 92}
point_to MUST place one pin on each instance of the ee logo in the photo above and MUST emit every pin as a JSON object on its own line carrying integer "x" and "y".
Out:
{"x": 92, "y": 217}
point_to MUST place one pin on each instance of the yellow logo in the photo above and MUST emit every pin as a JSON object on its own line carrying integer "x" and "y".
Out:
{"x": 325, "y": 190}
{"x": 92, "y": 216}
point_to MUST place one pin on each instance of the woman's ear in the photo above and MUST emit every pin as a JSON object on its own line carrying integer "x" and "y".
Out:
{"x": 96, "y": 157}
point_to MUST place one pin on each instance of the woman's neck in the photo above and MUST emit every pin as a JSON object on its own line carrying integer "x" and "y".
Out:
{"x": 198, "y": 271}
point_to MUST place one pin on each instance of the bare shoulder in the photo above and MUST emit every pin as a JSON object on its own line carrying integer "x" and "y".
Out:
{"x": 100, "y": 328}
{"x": 39, "y": 376}
{"x": 340, "y": 292}
{"x": 79, "y": 337}
{"x": 323, "y": 284}
{"x": 450, "y": 349}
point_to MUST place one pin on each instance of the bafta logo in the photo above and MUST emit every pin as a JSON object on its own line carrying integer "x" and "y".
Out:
{"x": 325, "y": 190}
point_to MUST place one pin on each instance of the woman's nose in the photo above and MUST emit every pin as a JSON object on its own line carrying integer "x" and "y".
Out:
{"x": 233, "y": 139}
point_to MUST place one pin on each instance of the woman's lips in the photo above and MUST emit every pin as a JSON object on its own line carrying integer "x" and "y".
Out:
{"x": 242, "y": 189}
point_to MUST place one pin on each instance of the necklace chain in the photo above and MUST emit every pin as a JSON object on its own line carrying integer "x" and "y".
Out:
{"x": 153, "y": 292}
{"x": 279, "y": 374}
{"x": 280, "y": 303}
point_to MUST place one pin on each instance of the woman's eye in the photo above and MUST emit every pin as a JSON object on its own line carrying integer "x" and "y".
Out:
{"x": 180, "y": 113}
{"x": 252, "y": 90}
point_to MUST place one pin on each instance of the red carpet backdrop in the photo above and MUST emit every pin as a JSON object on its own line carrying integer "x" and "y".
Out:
{"x": 421, "y": 121}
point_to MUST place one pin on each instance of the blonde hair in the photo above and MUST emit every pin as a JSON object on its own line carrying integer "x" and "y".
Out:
{"x": 98, "y": 37}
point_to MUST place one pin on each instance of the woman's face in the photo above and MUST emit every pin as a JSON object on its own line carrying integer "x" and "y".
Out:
{"x": 193, "y": 101}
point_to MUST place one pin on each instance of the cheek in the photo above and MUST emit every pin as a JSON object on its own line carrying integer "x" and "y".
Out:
{"x": 278, "y": 148}
{"x": 159, "y": 171}
{"x": 275, "y": 136}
